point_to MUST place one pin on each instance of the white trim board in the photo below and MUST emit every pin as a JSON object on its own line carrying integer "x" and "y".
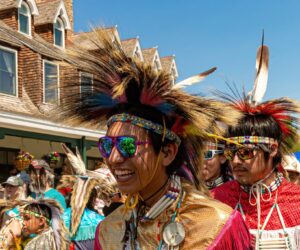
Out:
{"x": 29, "y": 124}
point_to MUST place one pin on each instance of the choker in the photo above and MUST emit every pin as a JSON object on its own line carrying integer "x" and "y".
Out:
{"x": 264, "y": 188}
{"x": 215, "y": 183}
{"x": 164, "y": 202}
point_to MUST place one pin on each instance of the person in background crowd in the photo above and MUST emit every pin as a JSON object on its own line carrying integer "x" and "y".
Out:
{"x": 14, "y": 188}
{"x": 43, "y": 218}
{"x": 82, "y": 218}
{"x": 41, "y": 185}
{"x": 53, "y": 159}
{"x": 292, "y": 166}
{"x": 266, "y": 131}
{"x": 216, "y": 170}
{"x": 112, "y": 199}
{"x": 10, "y": 227}
{"x": 152, "y": 130}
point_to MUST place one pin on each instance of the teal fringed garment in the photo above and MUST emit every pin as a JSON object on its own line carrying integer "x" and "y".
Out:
{"x": 88, "y": 224}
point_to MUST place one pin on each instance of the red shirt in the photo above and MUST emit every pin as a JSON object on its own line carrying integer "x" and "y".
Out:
{"x": 288, "y": 201}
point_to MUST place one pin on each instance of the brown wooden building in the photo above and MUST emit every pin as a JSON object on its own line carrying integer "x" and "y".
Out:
{"x": 34, "y": 38}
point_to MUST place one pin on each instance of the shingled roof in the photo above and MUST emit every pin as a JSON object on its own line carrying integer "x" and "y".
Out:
{"x": 8, "y": 4}
{"x": 166, "y": 62}
{"x": 17, "y": 105}
{"x": 11, "y": 4}
{"x": 37, "y": 44}
{"x": 129, "y": 46}
{"x": 149, "y": 54}
{"x": 49, "y": 13}
{"x": 84, "y": 39}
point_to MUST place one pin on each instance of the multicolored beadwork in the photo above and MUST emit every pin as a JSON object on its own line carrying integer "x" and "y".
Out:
{"x": 35, "y": 215}
{"x": 146, "y": 124}
{"x": 271, "y": 188}
{"x": 252, "y": 140}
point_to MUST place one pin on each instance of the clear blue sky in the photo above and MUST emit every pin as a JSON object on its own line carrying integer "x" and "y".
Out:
{"x": 203, "y": 34}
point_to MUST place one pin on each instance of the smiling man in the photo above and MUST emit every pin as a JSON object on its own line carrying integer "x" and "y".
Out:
{"x": 153, "y": 146}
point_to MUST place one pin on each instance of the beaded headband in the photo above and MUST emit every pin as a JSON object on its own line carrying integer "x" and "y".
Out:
{"x": 36, "y": 215}
{"x": 213, "y": 145}
{"x": 253, "y": 140}
{"x": 146, "y": 124}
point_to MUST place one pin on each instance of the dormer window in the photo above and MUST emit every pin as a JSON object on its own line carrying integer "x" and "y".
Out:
{"x": 59, "y": 33}
{"x": 24, "y": 19}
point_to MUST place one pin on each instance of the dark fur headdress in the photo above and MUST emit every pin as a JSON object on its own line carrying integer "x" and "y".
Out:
{"x": 120, "y": 81}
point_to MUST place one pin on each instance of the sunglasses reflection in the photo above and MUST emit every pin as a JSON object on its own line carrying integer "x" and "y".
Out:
{"x": 243, "y": 153}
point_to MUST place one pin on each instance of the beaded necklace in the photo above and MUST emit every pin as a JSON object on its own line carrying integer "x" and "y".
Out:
{"x": 259, "y": 188}
{"x": 162, "y": 204}
{"x": 215, "y": 183}
{"x": 264, "y": 189}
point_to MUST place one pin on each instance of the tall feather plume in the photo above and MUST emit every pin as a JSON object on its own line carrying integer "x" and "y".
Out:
{"x": 83, "y": 186}
{"x": 80, "y": 197}
{"x": 75, "y": 160}
{"x": 284, "y": 111}
{"x": 261, "y": 78}
{"x": 193, "y": 79}
{"x": 126, "y": 81}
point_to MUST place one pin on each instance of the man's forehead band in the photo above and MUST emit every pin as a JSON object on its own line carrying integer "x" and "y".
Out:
{"x": 146, "y": 124}
{"x": 253, "y": 140}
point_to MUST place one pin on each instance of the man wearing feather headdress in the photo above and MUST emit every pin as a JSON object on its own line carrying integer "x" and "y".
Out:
{"x": 82, "y": 218}
{"x": 215, "y": 170}
{"x": 42, "y": 181}
{"x": 41, "y": 220}
{"x": 153, "y": 129}
{"x": 267, "y": 130}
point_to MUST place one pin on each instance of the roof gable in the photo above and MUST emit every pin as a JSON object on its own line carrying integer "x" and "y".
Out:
{"x": 149, "y": 55}
{"x": 168, "y": 64}
{"x": 50, "y": 12}
{"x": 85, "y": 39}
{"x": 9, "y": 4}
{"x": 129, "y": 46}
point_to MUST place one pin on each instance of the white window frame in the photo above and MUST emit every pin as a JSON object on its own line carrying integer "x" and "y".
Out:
{"x": 63, "y": 30}
{"x": 29, "y": 19}
{"x": 157, "y": 63}
{"x": 85, "y": 74}
{"x": 16, "y": 63}
{"x": 137, "y": 53}
{"x": 173, "y": 73}
{"x": 58, "y": 82}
